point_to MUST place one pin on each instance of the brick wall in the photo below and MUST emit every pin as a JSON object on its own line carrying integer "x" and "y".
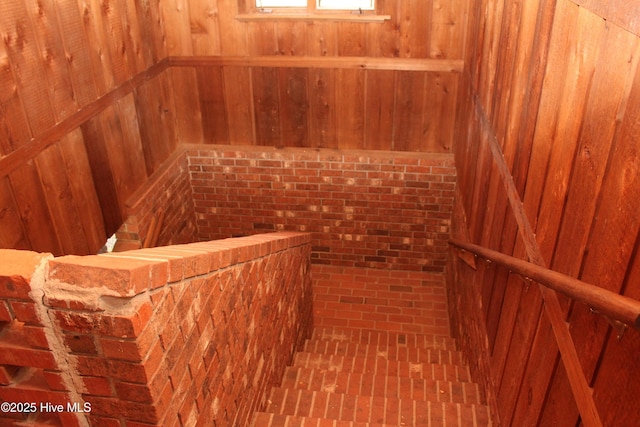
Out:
{"x": 167, "y": 197}
{"x": 363, "y": 208}
{"x": 175, "y": 335}
{"x": 32, "y": 371}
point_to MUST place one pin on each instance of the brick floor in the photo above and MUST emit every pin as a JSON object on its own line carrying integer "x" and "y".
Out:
{"x": 380, "y": 355}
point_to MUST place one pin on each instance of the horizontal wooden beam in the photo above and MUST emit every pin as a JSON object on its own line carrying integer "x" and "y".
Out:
{"x": 335, "y": 62}
{"x": 36, "y": 145}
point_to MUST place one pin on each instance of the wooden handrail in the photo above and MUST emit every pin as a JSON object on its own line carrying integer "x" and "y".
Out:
{"x": 615, "y": 306}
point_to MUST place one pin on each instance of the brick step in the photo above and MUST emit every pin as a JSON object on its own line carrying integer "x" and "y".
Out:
{"x": 377, "y": 337}
{"x": 267, "y": 419}
{"x": 396, "y": 301}
{"x": 372, "y": 385}
{"x": 400, "y": 353}
{"x": 374, "y": 409}
{"x": 382, "y": 366}
{"x": 384, "y": 288}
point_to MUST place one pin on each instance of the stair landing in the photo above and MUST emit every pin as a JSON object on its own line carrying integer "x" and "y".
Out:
{"x": 380, "y": 355}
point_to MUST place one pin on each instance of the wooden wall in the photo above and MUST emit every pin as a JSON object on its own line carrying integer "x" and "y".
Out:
{"x": 95, "y": 94}
{"x": 548, "y": 162}
{"x": 389, "y": 85}
{"x": 310, "y": 102}
{"x": 80, "y": 92}
{"x": 416, "y": 29}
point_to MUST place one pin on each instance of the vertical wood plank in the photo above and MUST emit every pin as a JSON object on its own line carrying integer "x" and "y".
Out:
{"x": 103, "y": 176}
{"x": 350, "y": 108}
{"x": 557, "y": 131}
{"x": 408, "y": 113}
{"x": 415, "y": 18}
{"x": 614, "y": 384}
{"x": 385, "y": 37}
{"x": 83, "y": 191}
{"x": 14, "y": 125}
{"x": 519, "y": 85}
{"x": 157, "y": 121}
{"x": 177, "y": 20}
{"x": 543, "y": 359}
{"x": 186, "y": 98}
{"x": 102, "y": 68}
{"x": 76, "y": 46}
{"x": 152, "y": 31}
{"x": 214, "y": 120}
{"x": 291, "y": 38}
{"x": 131, "y": 143}
{"x": 238, "y": 100}
{"x": 507, "y": 51}
{"x": 449, "y": 20}
{"x": 439, "y": 114}
{"x": 34, "y": 213}
{"x": 488, "y": 53}
{"x": 266, "y": 102}
{"x": 351, "y": 39}
{"x": 132, "y": 36}
{"x": 605, "y": 101}
{"x": 205, "y": 27}
{"x": 615, "y": 222}
{"x": 49, "y": 41}
{"x": 233, "y": 34}
{"x": 322, "y": 108}
{"x": 12, "y": 232}
{"x": 117, "y": 156}
{"x": 322, "y": 39}
{"x": 19, "y": 37}
{"x": 121, "y": 57}
{"x": 59, "y": 199}
{"x": 262, "y": 38}
{"x": 294, "y": 106}
{"x": 380, "y": 100}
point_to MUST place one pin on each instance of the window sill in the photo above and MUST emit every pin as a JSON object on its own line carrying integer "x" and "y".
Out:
{"x": 334, "y": 17}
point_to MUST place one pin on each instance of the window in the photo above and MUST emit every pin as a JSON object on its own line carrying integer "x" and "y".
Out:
{"x": 280, "y": 3}
{"x": 319, "y": 4}
{"x": 310, "y": 10}
{"x": 346, "y": 4}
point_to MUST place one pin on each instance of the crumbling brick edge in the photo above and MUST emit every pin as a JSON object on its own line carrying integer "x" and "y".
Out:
{"x": 192, "y": 334}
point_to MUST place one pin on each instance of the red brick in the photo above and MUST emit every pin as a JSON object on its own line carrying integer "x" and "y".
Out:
{"x": 19, "y": 334}
{"x": 97, "y": 386}
{"x": 25, "y": 312}
{"x": 120, "y": 349}
{"x": 20, "y": 263}
{"x": 22, "y": 356}
{"x": 5, "y": 314}
{"x": 54, "y": 380}
{"x": 80, "y": 343}
{"x": 14, "y": 287}
{"x": 134, "y": 392}
{"x": 111, "y": 407}
{"x": 107, "y": 422}
{"x": 124, "y": 276}
{"x": 7, "y": 373}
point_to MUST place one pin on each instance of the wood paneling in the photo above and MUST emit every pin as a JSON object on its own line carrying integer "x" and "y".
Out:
{"x": 359, "y": 103}
{"x": 416, "y": 29}
{"x": 121, "y": 83}
{"x": 554, "y": 86}
{"x": 71, "y": 146}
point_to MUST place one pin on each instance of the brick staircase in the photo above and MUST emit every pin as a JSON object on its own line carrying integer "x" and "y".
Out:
{"x": 380, "y": 355}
